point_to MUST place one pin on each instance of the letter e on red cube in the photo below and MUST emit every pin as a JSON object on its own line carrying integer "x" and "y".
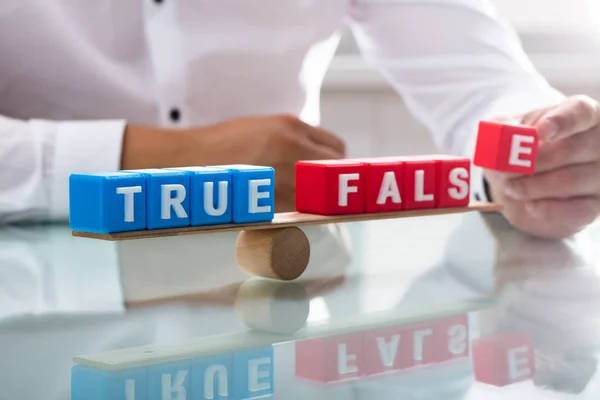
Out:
{"x": 503, "y": 359}
{"x": 330, "y": 187}
{"x": 507, "y": 148}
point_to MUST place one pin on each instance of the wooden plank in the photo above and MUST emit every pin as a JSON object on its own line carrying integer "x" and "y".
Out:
{"x": 141, "y": 356}
{"x": 283, "y": 220}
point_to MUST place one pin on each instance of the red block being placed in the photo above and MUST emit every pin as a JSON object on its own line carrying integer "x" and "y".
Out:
{"x": 330, "y": 187}
{"x": 507, "y": 148}
{"x": 503, "y": 359}
{"x": 330, "y": 359}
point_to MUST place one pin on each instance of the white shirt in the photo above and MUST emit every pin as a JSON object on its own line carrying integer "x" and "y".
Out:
{"x": 74, "y": 73}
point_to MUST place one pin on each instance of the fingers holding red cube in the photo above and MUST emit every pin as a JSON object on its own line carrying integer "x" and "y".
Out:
{"x": 506, "y": 148}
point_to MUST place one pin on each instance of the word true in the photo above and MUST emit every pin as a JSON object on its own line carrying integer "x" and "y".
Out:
{"x": 507, "y": 148}
{"x": 246, "y": 374}
{"x": 169, "y": 198}
{"x": 383, "y": 184}
{"x": 362, "y": 354}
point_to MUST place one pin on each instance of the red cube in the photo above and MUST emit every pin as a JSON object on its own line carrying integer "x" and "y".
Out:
{"x": 503, "y": 359}
{"x": 453, "y": 177}
{"x": 383, "y": 184}
{"x": 330, "y": 187}
{"x": 507, "y": 148}
{"x": 452, "y": 338}
{"x": 388, "y": 349}
{"x": 420, "y": 182}
{"x": 330, "y": 359}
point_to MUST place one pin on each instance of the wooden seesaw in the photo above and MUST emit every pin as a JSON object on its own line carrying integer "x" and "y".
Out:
{"x": 279, "y": 249}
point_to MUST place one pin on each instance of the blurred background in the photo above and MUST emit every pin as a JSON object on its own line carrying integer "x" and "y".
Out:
{"x": 562, "y": 37}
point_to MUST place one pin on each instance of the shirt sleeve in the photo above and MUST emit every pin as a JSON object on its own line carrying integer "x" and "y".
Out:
{"x": 454, "y": 62}
{"x": 37, "y": 157}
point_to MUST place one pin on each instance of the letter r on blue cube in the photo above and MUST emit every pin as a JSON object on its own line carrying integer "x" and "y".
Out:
{"x": 253, "y": 193}
{"x": 107, "y": 202}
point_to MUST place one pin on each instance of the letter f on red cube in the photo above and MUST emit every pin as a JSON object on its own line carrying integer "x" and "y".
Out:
{"x": 506, "y": 148}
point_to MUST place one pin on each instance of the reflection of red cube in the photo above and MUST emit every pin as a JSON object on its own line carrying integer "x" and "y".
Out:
{"x": 503, "y": 359}
{"x": 453, "y": 177}
{"x": 330, "y": 187}
{"x": 452, "y": 338}
{"x": 508, "y": 148}
{"x": 330, "y": 359}
{"x": 388, "y": 349}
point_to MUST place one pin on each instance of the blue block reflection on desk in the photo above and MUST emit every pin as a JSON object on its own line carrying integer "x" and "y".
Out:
{"x": 107, "y": 202}
{"x": 241, "y": 375}
{"x": 167, "y": 198}
{"x": 210, "y": 189}
{"x": 92, "y": 384}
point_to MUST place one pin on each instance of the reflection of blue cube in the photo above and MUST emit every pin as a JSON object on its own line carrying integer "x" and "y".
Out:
{"x": 167, "y": 198}
{"x": 253, "y": 193}
{"x": 93, "y": 384}
{"x": 210, "y": 194}
{"x": 169, "y": 381}
{"x": 212, "y": 376}
{"x": 253, "y": 373}
{"x": 107, "y": 202}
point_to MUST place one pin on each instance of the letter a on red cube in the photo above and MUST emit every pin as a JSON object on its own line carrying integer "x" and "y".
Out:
{"x": 330, "y": 187}
{"x": 383, "y": 184}
{"x": 507, "y": 148}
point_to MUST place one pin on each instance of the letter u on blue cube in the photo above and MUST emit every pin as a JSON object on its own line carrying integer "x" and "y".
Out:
{"x": 107, "y": 202}
{"x": 253, "y": 193}
{"x": 167, "y": 199}
{"x": 210, "y": 195}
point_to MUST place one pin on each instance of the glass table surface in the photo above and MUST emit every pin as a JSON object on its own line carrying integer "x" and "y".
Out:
{"x": 443, "y": 307}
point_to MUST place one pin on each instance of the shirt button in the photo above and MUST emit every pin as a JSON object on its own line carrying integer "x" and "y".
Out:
{"x": 174, "y": 114}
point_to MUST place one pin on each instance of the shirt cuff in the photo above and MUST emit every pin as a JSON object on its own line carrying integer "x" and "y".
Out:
{"x": 79, "y": 147}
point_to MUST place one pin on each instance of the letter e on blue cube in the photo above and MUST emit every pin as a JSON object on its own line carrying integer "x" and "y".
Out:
{"x": 253, "y": 373}
{"x": 253, "y": 193}
{"x": 210, "y": 195}
{"x": 107, "y": 202}
{"x": 94, "y": 384}
{"x": 167, "y": 199}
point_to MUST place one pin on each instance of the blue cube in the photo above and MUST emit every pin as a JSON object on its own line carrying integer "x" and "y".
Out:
{"x": 253, "y": 193}
{"x": 170, "y": 381}
{"x": 94, "y": 384}
{"x": 212, "y": 378}
{"x": 210, "y": 195}
{"x": 107, "y": 202}
{"x": 167, "y": 198}
{"x": 253, "y": 373}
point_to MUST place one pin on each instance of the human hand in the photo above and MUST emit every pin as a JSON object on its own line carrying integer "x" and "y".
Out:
{"x": 563, "y": 196}
{"x": 276, "y": 141}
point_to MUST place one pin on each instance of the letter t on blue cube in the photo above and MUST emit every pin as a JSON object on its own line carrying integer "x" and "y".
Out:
{"x": 107, "y": 202}
{"x": 253, "y": 193}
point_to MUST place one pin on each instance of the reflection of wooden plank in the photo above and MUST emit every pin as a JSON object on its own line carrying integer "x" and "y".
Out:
{"x": 282, "y": 220}
{"x": 212, "y": 345}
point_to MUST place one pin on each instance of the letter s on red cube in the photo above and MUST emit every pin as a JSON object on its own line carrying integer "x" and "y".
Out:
{"x": 330, "y": 187}
{"x": 507, "y": 148}
{"x": 454, "y": 177}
